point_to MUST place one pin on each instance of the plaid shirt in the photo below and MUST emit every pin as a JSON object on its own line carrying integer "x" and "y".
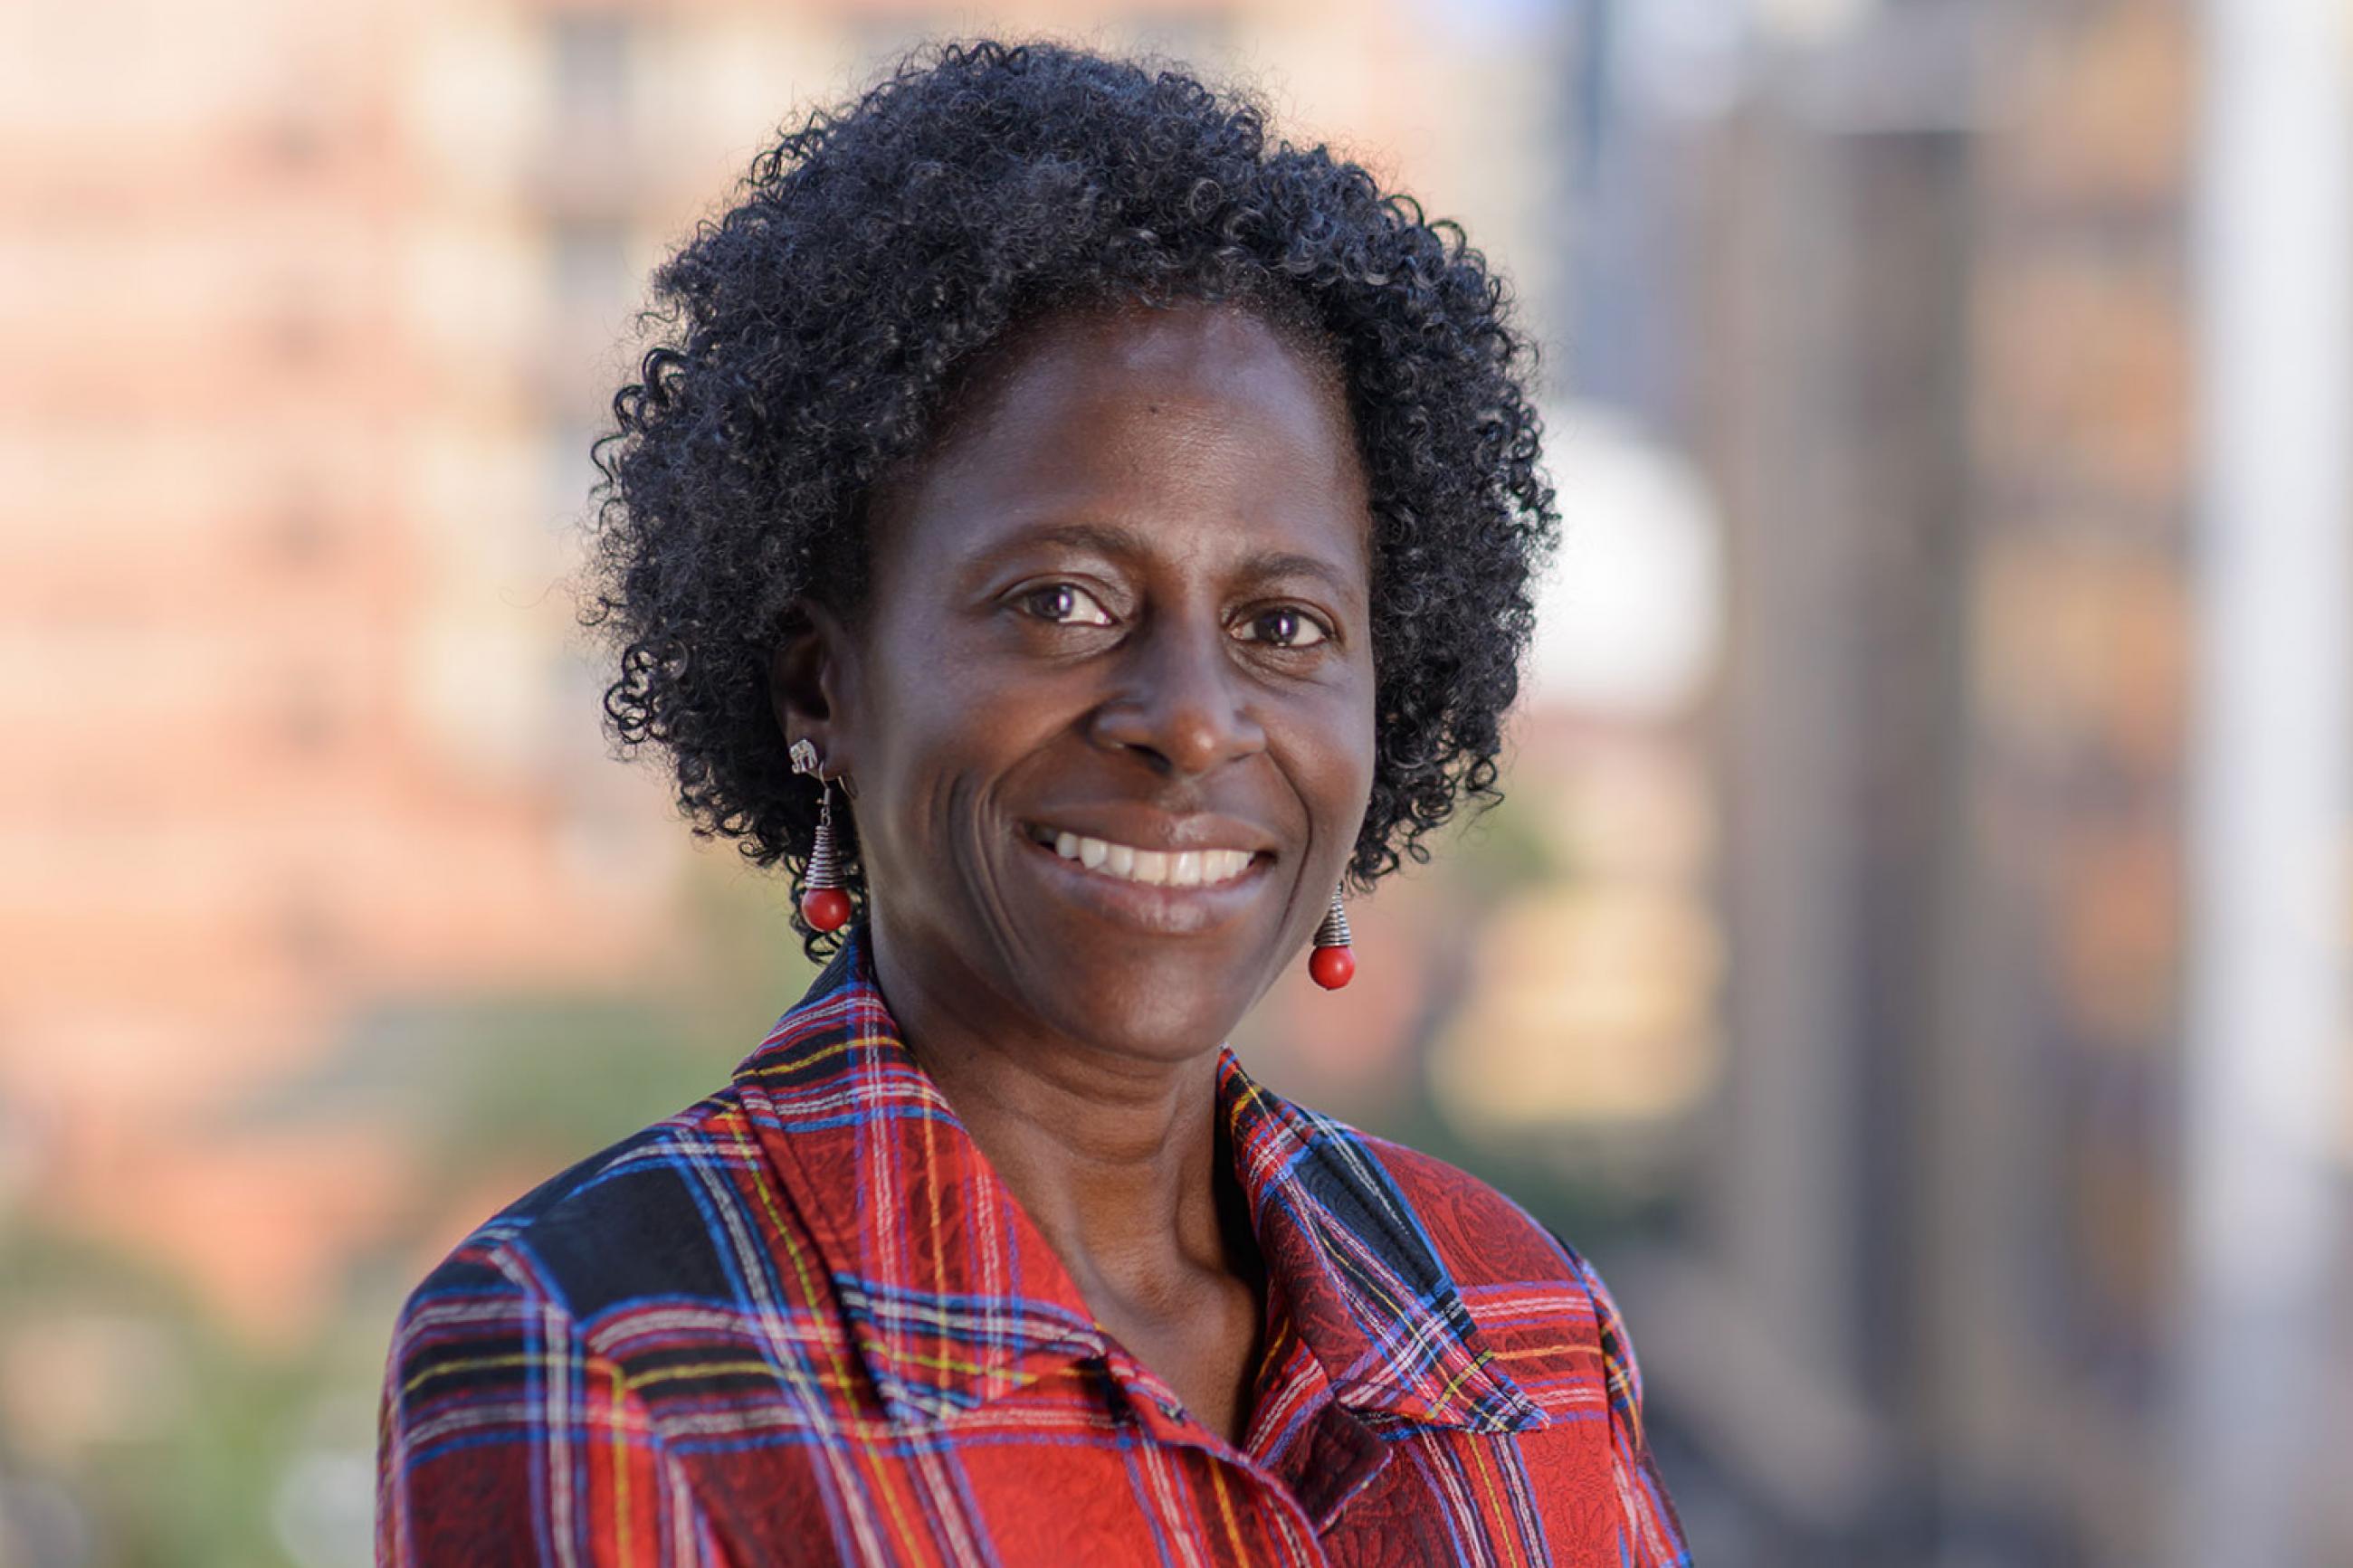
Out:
{"x": 805, "y": 1322}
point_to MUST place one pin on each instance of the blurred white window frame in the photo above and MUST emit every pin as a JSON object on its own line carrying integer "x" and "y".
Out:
{"x": 2271, "y": 778}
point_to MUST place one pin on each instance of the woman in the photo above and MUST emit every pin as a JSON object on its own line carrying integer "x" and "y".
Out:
{"x": 1074, "y": 535}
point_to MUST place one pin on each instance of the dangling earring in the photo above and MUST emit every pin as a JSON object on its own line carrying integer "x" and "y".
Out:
{"x": 1331, "y": 964}
{"x": 823, "y": 903}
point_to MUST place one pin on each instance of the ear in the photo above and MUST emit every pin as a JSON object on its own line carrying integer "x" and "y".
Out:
{"x": 812, "y": 683}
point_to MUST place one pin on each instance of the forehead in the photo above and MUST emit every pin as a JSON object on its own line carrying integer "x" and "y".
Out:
{"x": 1203, "y": 419}
{"x": 1119, "y": 340}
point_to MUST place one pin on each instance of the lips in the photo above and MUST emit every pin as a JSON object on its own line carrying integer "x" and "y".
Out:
{"x": 1200, "y": 873}
{"x": 1189, "y": 867}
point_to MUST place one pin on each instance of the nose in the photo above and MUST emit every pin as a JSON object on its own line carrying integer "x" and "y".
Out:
{"x": 1180, "y": 707}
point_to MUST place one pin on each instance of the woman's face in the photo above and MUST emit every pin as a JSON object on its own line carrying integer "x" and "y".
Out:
{"x": 1118, "y": 612}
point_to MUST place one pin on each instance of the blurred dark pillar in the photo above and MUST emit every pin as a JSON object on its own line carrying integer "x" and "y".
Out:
{"x": 1924, "y": 327}
{"x": 1833, "y": 414}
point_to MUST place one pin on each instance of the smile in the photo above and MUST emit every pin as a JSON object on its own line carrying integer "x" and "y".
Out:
{"x": 1207, "y": 868}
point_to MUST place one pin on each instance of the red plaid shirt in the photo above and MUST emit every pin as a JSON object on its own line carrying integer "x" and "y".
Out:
{"x": 804, "y": 1323}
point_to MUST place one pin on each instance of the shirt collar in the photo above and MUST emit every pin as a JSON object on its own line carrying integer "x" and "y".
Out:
{"x": 952, "y": 1295}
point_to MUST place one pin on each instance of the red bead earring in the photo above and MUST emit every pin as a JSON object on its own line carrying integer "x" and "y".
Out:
{"x": 824, "y": 904}
{"x": 1333, "y": 964}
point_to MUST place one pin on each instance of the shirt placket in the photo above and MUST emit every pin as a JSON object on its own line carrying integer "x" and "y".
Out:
{"x": 1162, "y": 1419}
{"x": 1320, "y": 1450}
{"x": 1305, "y": 1456}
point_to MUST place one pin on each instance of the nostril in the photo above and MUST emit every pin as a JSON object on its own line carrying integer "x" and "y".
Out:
{"x": 1182, "y": 723}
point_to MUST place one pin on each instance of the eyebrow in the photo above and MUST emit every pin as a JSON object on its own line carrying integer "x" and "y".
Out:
{"x": 1116, "y": 540}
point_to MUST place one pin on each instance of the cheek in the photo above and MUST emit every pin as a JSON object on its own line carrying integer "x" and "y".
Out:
{"x": 1332, "y": 748}
{"x": 911, "y": 739}
{"x": 1361, "y": 768}
{"x": 1365, "y": 730}
{"x": 948, "y": 728}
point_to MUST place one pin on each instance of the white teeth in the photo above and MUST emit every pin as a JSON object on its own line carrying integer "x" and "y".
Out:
{"x": 1180, "y": 869}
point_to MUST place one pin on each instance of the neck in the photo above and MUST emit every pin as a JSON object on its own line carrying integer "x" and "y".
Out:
{"x": 1119, "y": 1161}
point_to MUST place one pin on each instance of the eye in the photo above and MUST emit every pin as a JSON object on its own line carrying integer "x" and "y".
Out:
{"x": 1285, "y": 627}
{"x": 1065, "y": 604}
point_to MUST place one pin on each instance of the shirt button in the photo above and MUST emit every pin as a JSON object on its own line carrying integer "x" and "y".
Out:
{"x": 1172, "y": 1410}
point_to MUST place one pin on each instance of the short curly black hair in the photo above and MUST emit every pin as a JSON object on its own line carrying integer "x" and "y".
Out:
{"x": 808, "y": 337}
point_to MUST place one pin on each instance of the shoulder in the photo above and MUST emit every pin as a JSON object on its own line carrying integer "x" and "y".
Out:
{"x": 1514, "y": 1272}
{"x": 1482, "y": 1235}
{"x": 1544, "y": 1312}
{"x": 630, "y": 1254}
{"x": 647, "y": 1216}
{"x": 513, "y": 1383}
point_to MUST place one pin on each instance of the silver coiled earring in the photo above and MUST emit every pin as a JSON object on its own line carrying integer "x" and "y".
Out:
{"x": 824, "y": 903}
{"x": 1333, "y": 963}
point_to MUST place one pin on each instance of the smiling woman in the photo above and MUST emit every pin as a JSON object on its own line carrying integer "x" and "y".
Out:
{"x": 1122, "y": 597}
{"x": 1134, "y": 518}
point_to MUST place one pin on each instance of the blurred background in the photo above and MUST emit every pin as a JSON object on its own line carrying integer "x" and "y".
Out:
{"x": 1913, "y": 959}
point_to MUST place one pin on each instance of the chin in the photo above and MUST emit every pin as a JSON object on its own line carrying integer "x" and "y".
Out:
{"x": 1156, "y": 1011}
